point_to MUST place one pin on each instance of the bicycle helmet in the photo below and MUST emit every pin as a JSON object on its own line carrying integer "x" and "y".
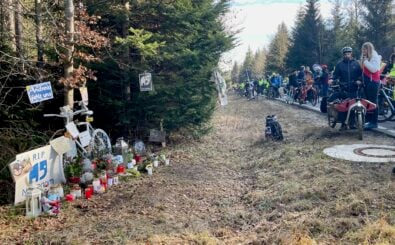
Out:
{"x": 346, "y": 49}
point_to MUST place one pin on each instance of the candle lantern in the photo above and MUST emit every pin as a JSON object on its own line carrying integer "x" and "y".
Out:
{"x": 115, "y": 180}
{"x": 33, "y": 202}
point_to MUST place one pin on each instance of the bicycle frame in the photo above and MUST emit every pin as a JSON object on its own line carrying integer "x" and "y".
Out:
{"x": 357, "y": 107}
{"x": 67, "y": 114}
{"x": 386, "y": 104}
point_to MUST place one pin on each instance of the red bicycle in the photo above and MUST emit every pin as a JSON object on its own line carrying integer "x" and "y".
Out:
{"x": 307, "y": 93}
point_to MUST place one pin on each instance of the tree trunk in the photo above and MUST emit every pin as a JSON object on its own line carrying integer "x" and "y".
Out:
{"x": 39, "y": 38}
{"x": 3, "y": 39}
{"x": 126, "y": 60}
{"x": 125, "y": 33}
{"x": 68, "y": 62}
{"x": 9, "y": 23}
{"x": 19, "y": 29}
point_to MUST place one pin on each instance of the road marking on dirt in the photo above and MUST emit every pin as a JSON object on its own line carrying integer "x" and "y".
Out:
{"x": 362, "y": 153}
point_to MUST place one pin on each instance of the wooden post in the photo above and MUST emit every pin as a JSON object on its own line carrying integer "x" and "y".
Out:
{"x": 161, "y": 129}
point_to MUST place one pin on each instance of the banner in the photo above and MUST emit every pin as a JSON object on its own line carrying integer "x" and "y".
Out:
{"x": 39, "y": 92}
{"x": 39, "y": 167}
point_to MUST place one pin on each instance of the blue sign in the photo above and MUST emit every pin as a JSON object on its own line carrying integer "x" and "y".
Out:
{"x": 39, "y": 92}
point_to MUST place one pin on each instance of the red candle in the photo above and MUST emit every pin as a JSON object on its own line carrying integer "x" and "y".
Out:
{"x": 69, "y": 197}
{"x": 91, "y": 188}
{"x": 137, "y": 158}
{"x": 88, "y": 193}
{"x": 120, "y": 169}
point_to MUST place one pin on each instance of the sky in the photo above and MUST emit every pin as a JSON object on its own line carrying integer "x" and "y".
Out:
{"x": 259, "y": 20}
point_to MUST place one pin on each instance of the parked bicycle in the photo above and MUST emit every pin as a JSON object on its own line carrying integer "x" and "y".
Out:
{"x": 90, "y": 142}
{"x": 386, "y": 104}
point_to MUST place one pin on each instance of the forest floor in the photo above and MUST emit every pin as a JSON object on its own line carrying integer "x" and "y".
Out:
{"x": 234, "y": 187}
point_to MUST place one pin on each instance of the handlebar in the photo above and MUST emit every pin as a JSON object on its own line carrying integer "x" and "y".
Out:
{"x": 53, "y": 115}
{"x": 67, "y": 113}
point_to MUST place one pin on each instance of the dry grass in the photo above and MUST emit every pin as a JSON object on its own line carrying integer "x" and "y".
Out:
{"x": 234, "y": 187}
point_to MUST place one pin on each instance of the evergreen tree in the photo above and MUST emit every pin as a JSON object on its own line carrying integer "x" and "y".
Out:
{"x": 306, "y": 46}
{"x": 235, "y": 73}
{"x": 190, "y": 39}
{"x": 259, "y": 64}
{"x": 333, "y": 42}
{"x": 351, "y": 34}
{"x": 246, "y": 68}
{"x": 377, "y": 23}
{"x": 278, "y": 50}
{"x": 295, "y": 54}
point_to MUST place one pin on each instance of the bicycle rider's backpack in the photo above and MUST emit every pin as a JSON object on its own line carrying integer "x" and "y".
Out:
{"x": 273, "y": 128}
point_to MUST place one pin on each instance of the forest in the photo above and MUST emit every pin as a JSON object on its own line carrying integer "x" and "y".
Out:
{"x": 317, "y": 40}
{"x": 104, "y": 46}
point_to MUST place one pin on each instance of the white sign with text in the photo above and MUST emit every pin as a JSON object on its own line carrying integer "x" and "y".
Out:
{"x": 39, "y": 167}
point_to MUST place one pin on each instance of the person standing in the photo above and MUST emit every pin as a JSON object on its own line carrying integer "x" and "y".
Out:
{"x": 348, "y": 71}
{"x": 371, "y": 63}
{"x": 324, "y": 80}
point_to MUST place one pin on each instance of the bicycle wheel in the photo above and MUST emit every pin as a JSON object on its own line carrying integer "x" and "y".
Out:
{"x": 100, "y": 143}
{"x": 360, "y": 122}
{"x": 386, "y": 109}
{"x": 312, "y": 96}
{"x": 331, "y": 120}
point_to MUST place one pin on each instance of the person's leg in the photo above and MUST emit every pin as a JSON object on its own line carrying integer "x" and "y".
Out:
{"x": 371, "y": 93}
{"x": 325, "y": 90}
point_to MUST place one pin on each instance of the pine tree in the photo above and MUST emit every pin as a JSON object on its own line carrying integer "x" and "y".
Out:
{"x": 192, "y": 39}
{"x": 235, "y": 73}
{"x": 333, "y": 40}
{"x": 278, "y": 50}
{"x": 351, "y": 34}
{"x": 295, "y": 54}
{"x": 246, "y": 68}
{"x": 377, "y": 23}
{"x": 259, "y": 64}
{"x": 306, "y": 37}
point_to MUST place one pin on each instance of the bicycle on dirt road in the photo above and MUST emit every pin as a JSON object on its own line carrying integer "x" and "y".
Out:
{"x": 90, "y": 142}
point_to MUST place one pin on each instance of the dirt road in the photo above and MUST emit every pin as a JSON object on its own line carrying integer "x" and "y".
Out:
{"x": 234, "y": 187}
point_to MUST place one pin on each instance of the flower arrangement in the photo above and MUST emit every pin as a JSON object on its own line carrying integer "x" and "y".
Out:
{"x": 73, "y": 170}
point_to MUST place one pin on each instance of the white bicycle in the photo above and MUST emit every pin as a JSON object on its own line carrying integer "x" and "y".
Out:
{"x": 90, "y": 142}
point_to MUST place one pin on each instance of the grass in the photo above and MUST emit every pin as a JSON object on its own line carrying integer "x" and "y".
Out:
{"x": 234, "y": 187}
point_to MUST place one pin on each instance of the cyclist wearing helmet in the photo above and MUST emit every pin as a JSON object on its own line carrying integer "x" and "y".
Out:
{"x": 348, "y": 71}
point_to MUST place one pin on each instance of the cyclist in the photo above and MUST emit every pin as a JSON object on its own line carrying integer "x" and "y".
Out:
{"x": 301, "y": 73}
{"x": 242, "y": 88}
{"x": 275, "y": 82}
{"x": 348, "y": 71}
{"x": 261, "y": 87}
